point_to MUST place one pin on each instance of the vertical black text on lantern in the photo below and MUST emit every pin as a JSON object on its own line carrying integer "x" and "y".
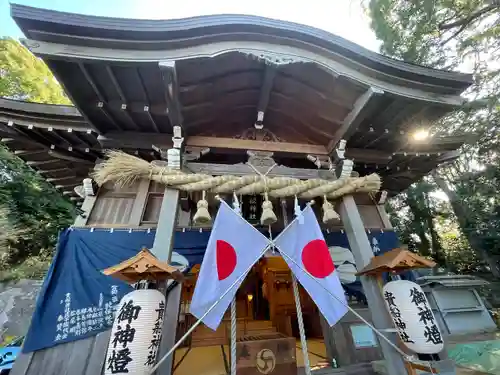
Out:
{"x": 431, "y": 330}
{"x": 120, "y": 357}
{"x": 396, "y": 315}
{"x": 155, "y": 341}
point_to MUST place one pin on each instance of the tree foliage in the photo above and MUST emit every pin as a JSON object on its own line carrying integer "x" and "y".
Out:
{"x": 32, "y": 214}
{"x": 458, "y": 35}
{"x": 31, "y": 211}
{"x": 25, "y": 77}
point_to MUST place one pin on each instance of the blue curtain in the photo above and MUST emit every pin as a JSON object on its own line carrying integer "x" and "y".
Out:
{"x": 77, "y": 301}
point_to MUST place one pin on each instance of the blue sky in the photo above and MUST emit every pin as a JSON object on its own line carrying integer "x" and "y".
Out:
{"x": 345, "y": 18}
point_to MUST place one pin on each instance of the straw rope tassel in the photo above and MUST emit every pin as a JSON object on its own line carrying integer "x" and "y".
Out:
{"x": 202, "y": 216}
{"x": 298, "y": 306}
{"x": 268, "y": 216}
{"x": 329, "y": 214}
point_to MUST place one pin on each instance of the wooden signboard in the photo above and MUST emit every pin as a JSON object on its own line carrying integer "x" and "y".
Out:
{"x": 251, "y": 208}
{"x": 267, "y": 354}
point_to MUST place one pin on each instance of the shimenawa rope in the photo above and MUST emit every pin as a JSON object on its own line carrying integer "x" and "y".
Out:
{"x": 124, "y": 169}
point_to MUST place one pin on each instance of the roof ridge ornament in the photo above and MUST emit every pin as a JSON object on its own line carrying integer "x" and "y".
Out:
{"x": 273, "y": 58}
{"x": 256, "y": 134}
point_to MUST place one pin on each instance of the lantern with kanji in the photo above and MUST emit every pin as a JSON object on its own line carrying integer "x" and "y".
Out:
{"x": 136, "y": 333}
{"x": 413, "y": 317}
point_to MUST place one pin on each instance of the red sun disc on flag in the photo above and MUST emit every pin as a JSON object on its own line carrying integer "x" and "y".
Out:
{"x": 317, "y": 259}
{"x": 226, "y": 259}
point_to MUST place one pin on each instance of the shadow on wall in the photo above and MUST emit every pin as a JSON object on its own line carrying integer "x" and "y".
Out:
{"x": 17, "y": 304}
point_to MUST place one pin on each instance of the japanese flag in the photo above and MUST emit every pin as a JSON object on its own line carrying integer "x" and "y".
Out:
{"x": 234, "y": 246}
{"x": 313, "y": 266}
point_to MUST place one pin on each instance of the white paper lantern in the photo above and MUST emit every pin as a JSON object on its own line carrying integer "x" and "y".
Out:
{"x": 412, "y": 315}
{"x": 136, "y": 333}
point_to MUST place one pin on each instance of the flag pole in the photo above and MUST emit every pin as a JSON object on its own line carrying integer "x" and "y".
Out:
{"x": 298, "y": 306}
{"x": 197, "y": 323}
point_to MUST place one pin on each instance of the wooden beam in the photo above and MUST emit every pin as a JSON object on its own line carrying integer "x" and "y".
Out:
{"x": 123, "y": 98}
{"x": 63, "y": 186}
{"x": 368, "y": 156}
{"x": 145, "y": 141}
{"x": 265, "y": 93}
{"x": 67, "y": 157}
{"x": 244, "y": 144}
{"x": 42, "y": 162}
{"x": 169, "y": 76}
{"x": 22, "y": 153}
{"x": 99, "y": 94}
{"x": 448, "y": 156}
{"x": 62, "y": 178}
{"x": 44, "y": 171}
{"x": 362, "y": 108}
{"x": 44, "y": 123}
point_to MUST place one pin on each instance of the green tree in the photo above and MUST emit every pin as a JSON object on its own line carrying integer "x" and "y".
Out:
{"x": 413, "y": 215}
{"x": 458, "y": 34}
{"x": 31, "y": 211}
{"x": 25, "y": 77}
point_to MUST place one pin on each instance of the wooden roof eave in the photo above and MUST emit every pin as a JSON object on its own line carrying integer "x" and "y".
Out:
{"x": 143, "y": 266}
{"x": 395, "y": 261}
{"x": 149, "y": 34}
{"x": 40, "y": 109}
{"x": 280, "y": 54}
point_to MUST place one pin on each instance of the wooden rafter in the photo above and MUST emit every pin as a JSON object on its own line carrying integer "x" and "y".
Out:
{"x": 362, "y": 107}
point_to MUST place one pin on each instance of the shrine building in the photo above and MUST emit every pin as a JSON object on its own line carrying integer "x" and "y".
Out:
{"x": 235, "y": 95}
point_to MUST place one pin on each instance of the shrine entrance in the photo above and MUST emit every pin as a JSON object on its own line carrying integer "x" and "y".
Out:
{"x": 265, "y": 309}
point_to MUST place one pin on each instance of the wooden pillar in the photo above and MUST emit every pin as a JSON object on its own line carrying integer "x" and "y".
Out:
{"x": 140, "y": 202}
{"x": 87, "y": 206}
{"x": 328, "y": 339}
{"x": 362, "y": 251}
{"x": 162, "y": 249}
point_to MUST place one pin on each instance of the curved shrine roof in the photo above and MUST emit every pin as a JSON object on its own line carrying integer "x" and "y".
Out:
{"x": 131, "y": 80}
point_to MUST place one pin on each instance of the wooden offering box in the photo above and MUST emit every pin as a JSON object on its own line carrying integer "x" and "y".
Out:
{"x": 268, "y": 354}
